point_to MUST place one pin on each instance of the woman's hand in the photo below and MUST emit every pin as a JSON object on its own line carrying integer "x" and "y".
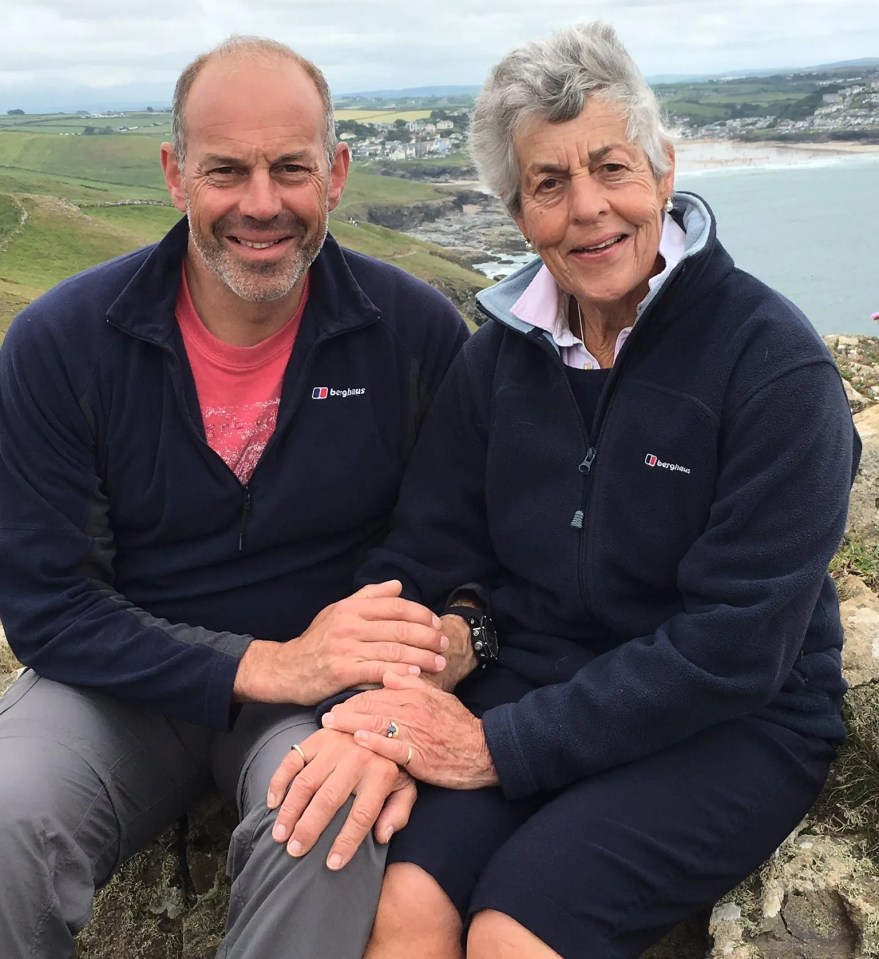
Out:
{"x": 436, "y": 738}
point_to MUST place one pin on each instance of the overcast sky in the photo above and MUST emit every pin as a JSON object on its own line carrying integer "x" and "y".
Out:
{"x": 113, "y": 46}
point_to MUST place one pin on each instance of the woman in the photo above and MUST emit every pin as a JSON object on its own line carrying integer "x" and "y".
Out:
{"x": 642, "y": 460}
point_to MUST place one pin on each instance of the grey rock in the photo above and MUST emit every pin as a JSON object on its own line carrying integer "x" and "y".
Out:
{"x": 860, "y": 619}
{"x": 863, "y": 518}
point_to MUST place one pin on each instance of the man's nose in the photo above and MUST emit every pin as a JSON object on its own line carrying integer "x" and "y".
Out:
{"x": 261, "y": 199}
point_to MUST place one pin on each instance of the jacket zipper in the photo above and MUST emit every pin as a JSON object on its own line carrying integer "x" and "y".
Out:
{"x": 245, "y": 509}
{"x": 585, "y": 466}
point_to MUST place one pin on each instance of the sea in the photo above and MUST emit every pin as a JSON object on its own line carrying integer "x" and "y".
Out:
{"x": 809, "y": 229}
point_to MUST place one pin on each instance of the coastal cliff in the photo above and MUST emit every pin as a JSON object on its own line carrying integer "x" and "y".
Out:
{"x": 817, "y": 898}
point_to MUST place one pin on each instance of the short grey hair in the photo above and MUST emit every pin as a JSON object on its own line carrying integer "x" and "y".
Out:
{"x": 258, "y": 50}
{"x": 552, "y": 79}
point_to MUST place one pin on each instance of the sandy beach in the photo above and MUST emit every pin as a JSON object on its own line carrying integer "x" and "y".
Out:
{"x": 693, "y": 155}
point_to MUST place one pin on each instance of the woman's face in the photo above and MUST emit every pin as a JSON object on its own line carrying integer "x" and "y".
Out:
{"x": 591, "y": 206}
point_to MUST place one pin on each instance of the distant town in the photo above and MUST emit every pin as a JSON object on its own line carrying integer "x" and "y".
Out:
{"x": 839, "y": 107}
{"x": 441, "y": 134}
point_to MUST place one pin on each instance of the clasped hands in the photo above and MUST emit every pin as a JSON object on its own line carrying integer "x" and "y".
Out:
{"x": 352, "y": 756}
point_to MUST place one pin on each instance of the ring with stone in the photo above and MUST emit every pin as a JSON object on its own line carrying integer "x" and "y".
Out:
{"x": 393, "y": 730}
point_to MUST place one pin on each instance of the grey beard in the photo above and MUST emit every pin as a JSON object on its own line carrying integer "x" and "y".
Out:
{"x": 250, "y": 282}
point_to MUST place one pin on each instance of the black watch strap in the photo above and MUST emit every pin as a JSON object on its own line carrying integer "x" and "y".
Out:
{"x": 483, "y": 636}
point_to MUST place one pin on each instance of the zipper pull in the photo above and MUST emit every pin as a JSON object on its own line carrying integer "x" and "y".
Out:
{"x": 577, "y": 520}
{"x": 245, "y": 509}
{"x": 586, "y": 465}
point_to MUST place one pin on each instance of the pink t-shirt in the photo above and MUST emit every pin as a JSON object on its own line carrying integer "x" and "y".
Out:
{"x": 239, "y": 387}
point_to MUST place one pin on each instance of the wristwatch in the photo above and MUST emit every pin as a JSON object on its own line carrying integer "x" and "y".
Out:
{"x": 483, "y": 636}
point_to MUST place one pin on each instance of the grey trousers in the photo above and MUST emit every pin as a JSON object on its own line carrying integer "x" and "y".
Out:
{"x": 87, "y": 780}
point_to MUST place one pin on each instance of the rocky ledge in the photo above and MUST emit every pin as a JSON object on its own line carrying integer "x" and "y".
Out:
{"x": 816, "y": 898}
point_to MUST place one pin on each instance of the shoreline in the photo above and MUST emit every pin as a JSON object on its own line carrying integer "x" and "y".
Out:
{"x": 698, "y": 155}
{"x": 694, "y": 156}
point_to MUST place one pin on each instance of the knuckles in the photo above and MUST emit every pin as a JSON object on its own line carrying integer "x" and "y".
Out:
{"x": 398, "y": 607}
{"x": 363, "y": 816}
{"x": 329, "y": 798}
{"x": 393, "y": 653}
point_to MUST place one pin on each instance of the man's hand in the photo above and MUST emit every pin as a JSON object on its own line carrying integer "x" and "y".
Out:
{"x": 351, "y": 643}
{"x": 437, "y": 738}
{"x": 336, "y": 768}
{"x": 460, "y": 658}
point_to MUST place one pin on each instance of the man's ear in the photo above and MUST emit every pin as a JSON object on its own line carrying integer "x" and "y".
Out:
{"x": 338, "y": 175}
{"x": 173, "y": 177}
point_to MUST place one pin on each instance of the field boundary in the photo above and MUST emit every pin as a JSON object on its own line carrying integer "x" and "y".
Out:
{"x": 18, "y": 229}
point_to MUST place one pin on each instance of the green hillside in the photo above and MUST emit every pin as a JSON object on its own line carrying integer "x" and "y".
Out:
{"x": 56, "y": 240}
{"x": 115, "y": 158}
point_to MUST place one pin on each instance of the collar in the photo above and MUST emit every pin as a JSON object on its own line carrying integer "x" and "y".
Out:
{"x": 545, "y": 305}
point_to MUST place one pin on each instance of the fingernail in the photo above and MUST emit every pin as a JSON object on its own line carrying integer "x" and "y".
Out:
{"x": 362, "y": 736}
{"x": 414, "y": 670}
{"x": 294, "y": 847}
{"x": 327, "y": 720}
{"x": 437, "y": 622}
{"x": 388, "y": 833}
{"x": 271, "y": 800}
{"x": 444, "y": 642}
{"x": 440, "y": 662}
{"x": 279, "y": 832}
{"x": 335, "y": 861}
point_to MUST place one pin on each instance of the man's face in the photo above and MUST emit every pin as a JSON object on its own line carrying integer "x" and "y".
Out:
{"x": 255, "y": 183}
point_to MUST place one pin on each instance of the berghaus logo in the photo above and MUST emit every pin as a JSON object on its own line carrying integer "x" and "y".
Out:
{"x": 652, "y": 460}
{"x": 329, "y": 392}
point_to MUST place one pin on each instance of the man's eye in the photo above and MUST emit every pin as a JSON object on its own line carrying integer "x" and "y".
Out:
{"x": 223, "y": 171}
{"x": 613, "y": 168}
{"x": 292, "y": 169}
{"x": 550, "y": 183}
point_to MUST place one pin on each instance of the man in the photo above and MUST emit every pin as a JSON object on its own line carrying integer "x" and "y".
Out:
{"x": 198, "y": 444}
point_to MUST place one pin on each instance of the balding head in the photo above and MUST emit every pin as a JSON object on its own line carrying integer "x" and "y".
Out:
{"x": 242, "y": 51}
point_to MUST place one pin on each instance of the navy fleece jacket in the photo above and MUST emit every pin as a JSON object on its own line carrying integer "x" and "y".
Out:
{"x": 131, "y": 558}
{"x": 664, "y": 568}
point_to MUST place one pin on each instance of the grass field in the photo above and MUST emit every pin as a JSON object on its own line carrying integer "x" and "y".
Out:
{"x": 382, "y": 116}
{"x": 114, "y": 159}
{"x": 58, "y": 240}
{"x": 146, "y": 223}
{"x": 155, "y": 124}
{"x": 364, "y": 189}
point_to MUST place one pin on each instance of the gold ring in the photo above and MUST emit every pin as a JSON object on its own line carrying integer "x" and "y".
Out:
{"x": 297, "y": 748}
{"x": 393, "y": 730}
{"x": 409, "y": 755}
